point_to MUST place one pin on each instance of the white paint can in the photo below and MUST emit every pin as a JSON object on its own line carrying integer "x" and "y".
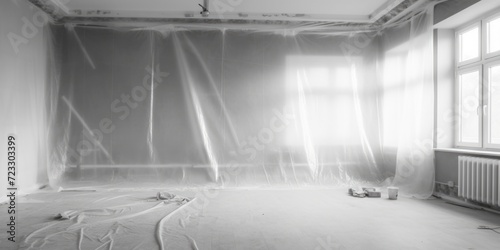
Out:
{"x": 393, "y": 193}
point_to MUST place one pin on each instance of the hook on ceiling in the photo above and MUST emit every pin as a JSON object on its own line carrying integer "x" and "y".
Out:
{"x": 204, "y": 9}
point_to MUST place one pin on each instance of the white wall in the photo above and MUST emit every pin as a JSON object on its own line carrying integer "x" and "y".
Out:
{"x": 22, "y": 93}
{"x": 445, "y": 78}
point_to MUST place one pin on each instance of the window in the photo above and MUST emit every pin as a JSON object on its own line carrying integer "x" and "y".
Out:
{"x": 469, "y": 101}
{"x": 492, "y": 104}
{"x": 492, "y": 31}
{"x": 478, "y": 84}
{"x": 468, "y": 45}
{"x": 320, "y": 89}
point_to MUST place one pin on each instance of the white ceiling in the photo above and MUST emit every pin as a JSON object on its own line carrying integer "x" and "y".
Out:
{"x": 299, "y": 10}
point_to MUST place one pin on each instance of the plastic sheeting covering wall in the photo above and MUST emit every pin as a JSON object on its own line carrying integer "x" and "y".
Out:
{"x": 23, "y": 64}
{"x": 245, "y": 107}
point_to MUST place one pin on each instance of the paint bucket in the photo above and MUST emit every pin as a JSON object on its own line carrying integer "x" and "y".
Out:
{"x": 393, "y": 193}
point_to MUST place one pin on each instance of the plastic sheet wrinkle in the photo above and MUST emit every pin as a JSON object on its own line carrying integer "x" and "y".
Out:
{"x": 159, "y": 226}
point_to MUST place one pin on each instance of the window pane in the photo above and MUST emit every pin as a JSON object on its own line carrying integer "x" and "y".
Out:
{"x": 468, "y": 84}
{"x": 469, "y": 44}
{"x": 493, "y": 34}
{"x": 494, "y": 104}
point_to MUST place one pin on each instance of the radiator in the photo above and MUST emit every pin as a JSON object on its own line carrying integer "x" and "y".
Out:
{"x": 478, "y": 179}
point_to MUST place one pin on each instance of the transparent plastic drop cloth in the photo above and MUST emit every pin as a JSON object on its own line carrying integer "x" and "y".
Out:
{"x": 242, "y": 106}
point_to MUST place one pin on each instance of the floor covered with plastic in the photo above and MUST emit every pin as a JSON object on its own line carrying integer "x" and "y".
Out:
{"x": 245, "y": 219}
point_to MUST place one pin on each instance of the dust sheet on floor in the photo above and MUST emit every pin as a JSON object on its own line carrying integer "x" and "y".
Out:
{"x": 108, "y": 221}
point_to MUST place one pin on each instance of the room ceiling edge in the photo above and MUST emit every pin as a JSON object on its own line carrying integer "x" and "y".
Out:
{"x": 384, "y": 14}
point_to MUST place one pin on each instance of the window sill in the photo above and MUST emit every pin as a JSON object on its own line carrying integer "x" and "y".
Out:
{"x": 468, "y": 151}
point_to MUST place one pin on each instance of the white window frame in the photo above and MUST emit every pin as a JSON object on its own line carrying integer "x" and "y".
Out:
{"x": 458, "y": 43}
{"x": 459, "y": 72}
{"x": 484, "y": 43}
{"x": 481, "y": 64}
{"x": 486, "y": 108}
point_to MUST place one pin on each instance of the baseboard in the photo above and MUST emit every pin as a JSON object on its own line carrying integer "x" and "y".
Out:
{"x": 465, "y": 203}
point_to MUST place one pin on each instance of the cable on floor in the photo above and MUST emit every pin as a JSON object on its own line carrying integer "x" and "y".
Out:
{"x": 494, "y": 229}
